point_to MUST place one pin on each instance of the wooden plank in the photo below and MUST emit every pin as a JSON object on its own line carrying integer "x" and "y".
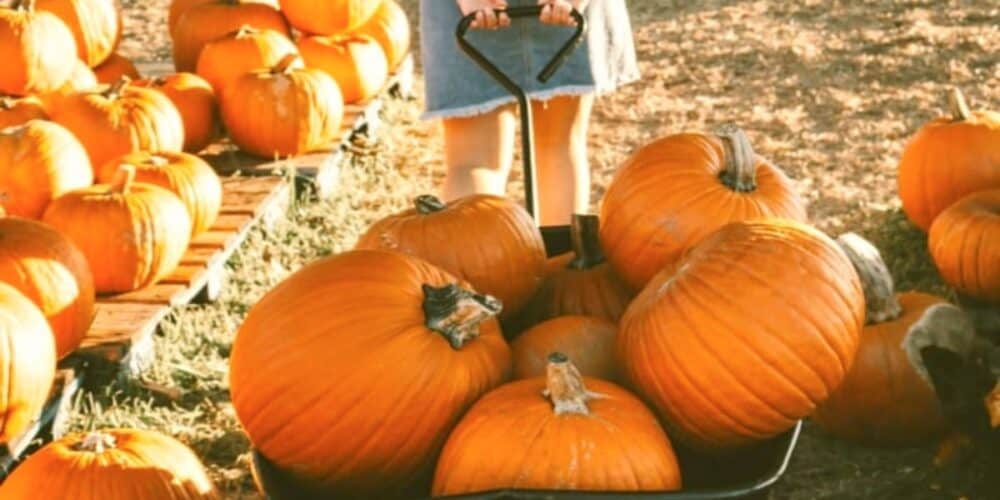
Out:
{"x": 199, "y": 256}
{"x": 117, "y": 326}
{"x": 231, "y": 222}
{"x": 212, "y": 239}
{"x": 185, "y": 274}
{"x": 157, "y": 293}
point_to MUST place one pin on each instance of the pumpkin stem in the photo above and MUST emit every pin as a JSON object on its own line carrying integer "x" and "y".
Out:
{"x": 943, "y": 327}
{"x": 960, "y": 111}
{"x": 95, "y": 442}
{"x": 876, "y": 280}
{"x": 456, "y": 313}
{"x": 284, "y": 66}
{"x": 740, "y": 172}
{"x": 115, "y": 90}
{"x": 26, "y": 5}
{"x": 124, "y": 178}
{"x": 245, "y": 30}
{"x": 586, "y": 243}
{"x": 427, "y": 204}
{"x": 564, "y": 386}
{"x": 7, "y": 103}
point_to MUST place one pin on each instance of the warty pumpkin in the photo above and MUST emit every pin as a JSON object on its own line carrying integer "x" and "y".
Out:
{"x": 120, "y": 119}
{"x": 391, "y": 28}
{"x": 560, "y": 431}
{"x": 206, "y": 22}
{"x": 37, "y": 50}
{"x": 488, "y": 240}
{"x": 589, "y": 341}
{"x": 283, "y": 110}
{"x": 51, "y": 271}
{"x": 111, "y": 464}
{"x": 328, "y": 17}
{"x": 195, "y": 101}
{"x": 678, "y": 189}
{"x": 132, "y": 233}
{"x": 229, "y": 57}
{"x": 27, "y": 363}
{"x": 178, "y": 7}
{"x": 355, "y": 61}
{"x": 39, "y": 161}
{"x": 948, "y": 158}
{"x": 114, "y": 68}
{"x": 96, "y": 26}
{"x": 964, "y": 242}
{"x": 188, "y": 176}
{"x": 882, "y": 400}
{"x": 755, "y": 327}
{"x": 19, "y": 110}
{"x": 398, "y": 337}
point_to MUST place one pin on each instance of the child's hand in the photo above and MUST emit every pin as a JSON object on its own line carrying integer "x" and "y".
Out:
{"x": 558, "y": 11}
{"x": 485, "y": 17}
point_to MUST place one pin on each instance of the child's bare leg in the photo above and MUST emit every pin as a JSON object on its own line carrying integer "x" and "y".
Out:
{"x": 478, "y": 151}
{"x": 560, "y": 126}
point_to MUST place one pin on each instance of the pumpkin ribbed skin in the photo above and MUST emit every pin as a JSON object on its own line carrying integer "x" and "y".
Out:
{"x": 96, "y": 26}
{"x": 27, "y": 363}
{"x": 673, "y": 192}
{"x": 597, "y": 291}
{"x": 227, "y": 58}
{"x": 49, "y": 270}
{"x": 195, "y": 101}
{"x": 369, "y": 353}
{"x": 115, "y": 67}
{"x": 112, "y": 464}
{"x": 39, "y": 161}
{"x": 328, "y": 17}
{"x": 179, "y": 7}
{"x": 754, "y": 329}
{"x": 390, "y": 27}
{"x": 206, "y": 22}
{"x": 37, "y": 50}
{"x": 19, "y": 110}
{"x": 964, "y": 242}
{"x": 356, "y": 62}
{"x": 589, "y": 342}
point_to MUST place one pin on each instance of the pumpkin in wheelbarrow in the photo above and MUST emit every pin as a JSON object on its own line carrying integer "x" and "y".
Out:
{"x": 349, "y": 375}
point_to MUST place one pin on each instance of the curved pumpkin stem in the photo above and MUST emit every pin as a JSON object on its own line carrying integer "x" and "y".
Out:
{"x": 123, "y": 180}
{"x": 95, "y": 442}
{"x": 564, "y": 386}
{"x": 284, "y": 66}
{"x": 740, "y": 173}
{"x": 960, "y": 111}
{"x": 427, "y": 204}
{"x": 876, "y": 280}
{"x": 115, "y": 90}
{"x": 586, "y": 243}
{"x": 456, "y": 313}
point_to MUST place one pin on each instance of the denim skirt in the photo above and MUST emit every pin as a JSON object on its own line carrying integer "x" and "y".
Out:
{"x": 455, "y": 86}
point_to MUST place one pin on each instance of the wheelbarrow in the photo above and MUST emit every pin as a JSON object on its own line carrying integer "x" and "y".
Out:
{"x": 747, "y": 474}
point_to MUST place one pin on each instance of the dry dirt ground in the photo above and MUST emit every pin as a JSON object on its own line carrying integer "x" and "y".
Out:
{"x": 828, "y": 90}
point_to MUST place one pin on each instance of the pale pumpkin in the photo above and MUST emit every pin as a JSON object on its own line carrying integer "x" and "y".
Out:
{"x": 96, "y": 26}
{"x": 114, "y": 68}
{"x": 37, "y": 50}
{"x": 27, "y": 363}
{"x": 19, "y": 110}
{"x": 39, "y": 161}
{"x": 195, "y": 101}
{"x": 205, "y": 22}
{"x": 82, "y": 80}
{"x": 229, "y": 57}
{"x": 588, "y": 340}
{"x": 355, "y": 61}
{"x": 964, "y": 242}
{"x": 391, "y": 28}
{"x": 328, "y": 17}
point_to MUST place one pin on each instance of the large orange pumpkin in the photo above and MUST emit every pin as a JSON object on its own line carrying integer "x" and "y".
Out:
{"x": 948, "y": 158}
{"x": 82, "y": 79}
{"x": 391, "y": 28}
{"x": 195, "y": 101}
{"x": 119, "y": 119}
{"x": 356, "y": 62}
{"x": 678, "y": 189}
{"x": 96, "y": 26}
{"x": 283, "y": 110}
{"x": 206, "y": 22}
{"x": 883, "y": 401}
{"x": 186, "y": 175}
{"x": 111, "y": 464}
{"x": 178, "y": 7}
{"x": 964, "y": 242}
{"x": 488, "y": 240}
{"x": 39, "y": 161}
{"x": 560, "y": 431}
{"x": 757, "y": 325}
{"x": 27, "y": 363}
{"x": 19, "y": 110}
{"x": 397, "y": 337}
{"x": 328, "y": 17}
{"x": 132, "y": 233}
{"x": 36, "y": 49}
{"x": 51, "y": 271}
{"x": 589, "y": 341}
{"x": 114, "y": 68}
{"x": 229, "y": 57}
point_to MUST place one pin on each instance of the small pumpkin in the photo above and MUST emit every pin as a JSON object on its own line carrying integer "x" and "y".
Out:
{"x": 397, "y": 337}
{"x": 588, "y": 340}
{"x": 205, "y": 22}
{"x": 114, "y": 68}
{"x": 37, "y": 50}
{"x": 39, "y": 161}
{"x": 96, "y": 26}
{"x": 283, "y": 110}
{"x": 560, "y": 431}
{"x": 391, "y": 28}
{"x": 328, "y": 17}
{"x": 119, "y": 119}
{"x": 487, "y": 240}
{"x": 948, "y": 158}
{"x": 195, "y": 101}
{"x": 28, "y": 364}
{"x": 757, "y": 325}
{"x": 355, "y": 61}
{"x": 82, "y": 80}
{"x": 112, "y": 464}
{"x": 178, "y": 7}
{"x": 678, "y": 189}
{"x": 964, "y": 242}
{"x": 132, "y": 233}
{"x": 186, "y": 175}
{"x": 19, "y": 110}
{"x": 51, "y": 271}
{"x": 229, "y": 57}
{"x": 882, "y": 400}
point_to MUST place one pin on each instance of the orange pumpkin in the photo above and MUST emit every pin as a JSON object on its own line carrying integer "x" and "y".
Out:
{"x": 757, "y": 325}
{"x": 590, "y": 341}
{"x": 283, "y": 110}
{"x": 178, "y": 7}
{"x": 27, "y": 363}
{"x": 356, "y": 62}
{"x": 964, "y": 242}
{"x": 132, "y": 233}
{"x": 391, "y": 28}
{"x": 227, "y": 58}
{"x": 398, "y": 338}
{"x": 678, "y": 189}
{"x": 560, "y": 431}
{"x": 186, "y": 175}
{"x": 83, "y": 79}
{"x": 112, "y": 464}
{"x": 328, "y": 17}
{"x": 948, "y": 158}
{"x": 208, "y": 21}
{"x": 39, "y": 161}
{"x": 195, "y": 101}
{"x": 96, "y": 26}
{"x": 114, "y": 68}
{"x": 37, "y": 50}
{"x": 120, "y": 119}
{"x": 487, "y": 240}
{"x": 19, "y": 110}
